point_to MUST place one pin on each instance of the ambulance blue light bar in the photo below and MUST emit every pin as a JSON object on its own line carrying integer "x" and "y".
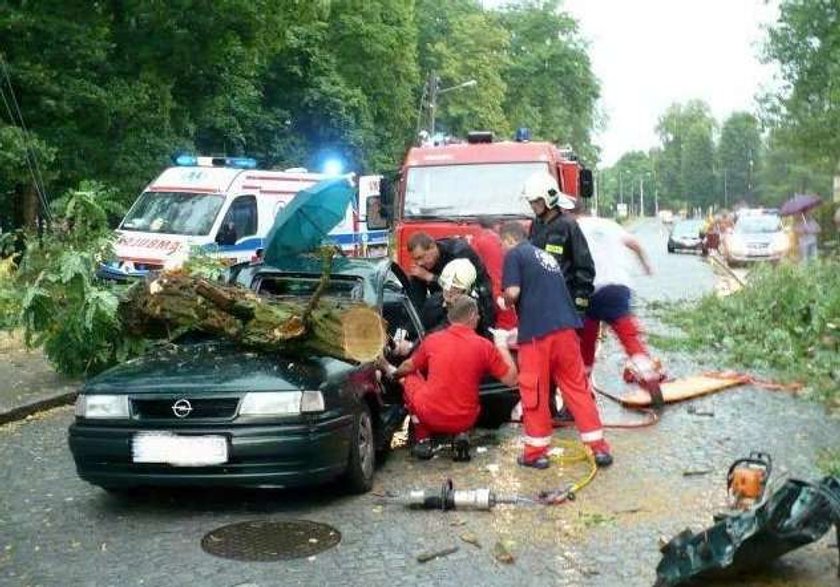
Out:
{"x": 189, "y": 160}
{"x": 186, "y": 160}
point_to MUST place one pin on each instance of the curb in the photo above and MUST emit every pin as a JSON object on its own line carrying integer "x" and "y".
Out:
{"x": 26, "y": 410}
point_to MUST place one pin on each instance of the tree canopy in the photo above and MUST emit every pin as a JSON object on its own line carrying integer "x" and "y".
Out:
{"x": 109, "y": 91}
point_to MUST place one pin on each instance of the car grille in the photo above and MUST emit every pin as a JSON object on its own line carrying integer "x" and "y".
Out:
{"x": 202, "y": 408}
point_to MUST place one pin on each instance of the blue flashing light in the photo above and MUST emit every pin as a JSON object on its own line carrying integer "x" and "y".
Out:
{"x": 523, "y": 135}
{"x": 241, "y": 162}
{"x": 333, "y": 166}
{"x": 186, "y": 160}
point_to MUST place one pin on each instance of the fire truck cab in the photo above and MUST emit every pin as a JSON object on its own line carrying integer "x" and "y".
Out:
{"x": 444, "y": 190}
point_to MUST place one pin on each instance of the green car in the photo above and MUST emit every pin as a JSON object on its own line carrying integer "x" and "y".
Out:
{"x": 208, "y": 413}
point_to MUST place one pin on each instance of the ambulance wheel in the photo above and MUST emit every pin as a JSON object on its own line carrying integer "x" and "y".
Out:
{"x": 362, "y": 460}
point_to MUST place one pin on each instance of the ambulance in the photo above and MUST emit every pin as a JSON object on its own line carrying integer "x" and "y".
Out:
{"x": 224, "y": 207}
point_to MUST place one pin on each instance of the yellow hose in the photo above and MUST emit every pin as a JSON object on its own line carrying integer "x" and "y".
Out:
{"x": 577, "y": 452}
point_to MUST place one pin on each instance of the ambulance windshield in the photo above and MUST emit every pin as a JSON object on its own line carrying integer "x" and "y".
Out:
{"x": 448, "y": 191}
{"x": 174, "y": 213}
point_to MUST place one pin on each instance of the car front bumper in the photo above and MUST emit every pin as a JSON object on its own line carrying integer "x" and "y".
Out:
{"x": 272, "y": 455}
{"x": 755, "y": 256}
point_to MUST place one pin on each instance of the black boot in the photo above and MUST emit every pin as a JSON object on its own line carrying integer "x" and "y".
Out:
{"x": 461, "y": 448}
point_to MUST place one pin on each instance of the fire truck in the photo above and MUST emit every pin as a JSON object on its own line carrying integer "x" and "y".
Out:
{"x": 445, "y": 189}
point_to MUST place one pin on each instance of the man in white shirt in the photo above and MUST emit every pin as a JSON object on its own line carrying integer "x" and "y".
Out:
{"x": 609, "y": 244}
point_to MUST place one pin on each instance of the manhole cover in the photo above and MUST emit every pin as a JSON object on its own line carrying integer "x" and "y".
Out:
{"x": 270, "y": 540}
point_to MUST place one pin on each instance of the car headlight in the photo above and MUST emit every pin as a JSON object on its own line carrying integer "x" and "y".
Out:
{"x": 102, "y": 406}
{"x": 281, "y": 403}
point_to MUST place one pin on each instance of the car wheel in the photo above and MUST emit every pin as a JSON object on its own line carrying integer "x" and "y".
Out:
{"x": 670, "y": 249}
{"x": 360, "y": 464}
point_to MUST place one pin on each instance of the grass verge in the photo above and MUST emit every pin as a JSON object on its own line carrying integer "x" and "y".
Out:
{"x": 785, "y": 322}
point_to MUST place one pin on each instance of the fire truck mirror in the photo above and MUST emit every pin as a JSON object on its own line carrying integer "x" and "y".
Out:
{"x": 586, "y": 183}
{"x": 376, "y": 216}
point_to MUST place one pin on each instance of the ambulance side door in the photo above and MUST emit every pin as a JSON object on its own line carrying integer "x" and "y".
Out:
{"x": 240, "y": 223}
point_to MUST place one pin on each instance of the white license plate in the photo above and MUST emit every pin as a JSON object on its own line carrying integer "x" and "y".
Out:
{"x": 181, "y": 451}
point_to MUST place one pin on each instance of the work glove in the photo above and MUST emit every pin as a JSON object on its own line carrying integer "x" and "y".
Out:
{"x": 581, "y": 305}
{"x": 500, "y": 337}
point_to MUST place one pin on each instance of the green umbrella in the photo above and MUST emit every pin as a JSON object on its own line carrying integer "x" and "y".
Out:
{"x": 304, "y": 223}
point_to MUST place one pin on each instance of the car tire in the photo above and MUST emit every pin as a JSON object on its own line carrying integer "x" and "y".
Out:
{"x": 670, "y": 249}
{"x": 362, "y": 460}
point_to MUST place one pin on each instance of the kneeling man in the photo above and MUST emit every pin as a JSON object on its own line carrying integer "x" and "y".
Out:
{"x": 442, "y": 377}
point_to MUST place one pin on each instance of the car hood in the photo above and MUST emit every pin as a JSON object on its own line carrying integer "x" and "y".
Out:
{"x": 212, "y": 367}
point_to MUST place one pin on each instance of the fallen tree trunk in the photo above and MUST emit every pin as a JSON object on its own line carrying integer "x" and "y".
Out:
{"x": 174, "y": 304}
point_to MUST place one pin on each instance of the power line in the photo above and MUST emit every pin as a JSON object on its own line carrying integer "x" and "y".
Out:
{"x": 31, "y": 157}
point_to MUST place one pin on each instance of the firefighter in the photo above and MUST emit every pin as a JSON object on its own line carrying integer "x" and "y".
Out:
{"x": 488, "y": 245}
{"x": 431, "y": 256}
{"x": 549, "y": 349}
{"x": 442, "y": 377}
{"x": 610, "y": 303}
{"x": 558, "y": 233}
{"x": 457, "y": 279}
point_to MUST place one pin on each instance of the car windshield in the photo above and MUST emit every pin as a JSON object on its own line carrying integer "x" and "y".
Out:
{"x": 758, "y": 224}
{"x": 174, "y": 213}
{"x": 343, "y": 288}
{"x": 690, "y": 228}
{"x": 449, "y": 191}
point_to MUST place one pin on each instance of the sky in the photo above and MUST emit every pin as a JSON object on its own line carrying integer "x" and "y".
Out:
{"x": 649, "y": 54}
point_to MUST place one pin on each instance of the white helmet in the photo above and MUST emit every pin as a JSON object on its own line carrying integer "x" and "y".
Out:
{"x": 542, "y": 185}
{"x": 458, "y": 273}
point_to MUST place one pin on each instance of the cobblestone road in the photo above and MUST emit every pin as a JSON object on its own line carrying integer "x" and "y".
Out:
{"x": 57, "y": 530}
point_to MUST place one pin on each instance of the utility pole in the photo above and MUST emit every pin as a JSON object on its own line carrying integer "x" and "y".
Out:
{"x": 642, "y": 196}
{"x": 725, "y": 190}
{"x": 434, "y": 86}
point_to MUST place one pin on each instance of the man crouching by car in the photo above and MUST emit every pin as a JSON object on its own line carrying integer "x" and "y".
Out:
{"x": 442, "y": 377}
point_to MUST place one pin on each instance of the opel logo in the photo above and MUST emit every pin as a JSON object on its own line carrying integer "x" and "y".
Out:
{"x": 182, "y": 408}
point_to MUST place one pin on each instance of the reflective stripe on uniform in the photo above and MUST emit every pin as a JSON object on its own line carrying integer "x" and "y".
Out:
{"x": 554, "y": 249}
{"x": 592, "y": 436}
{"x": 537, "y": 440}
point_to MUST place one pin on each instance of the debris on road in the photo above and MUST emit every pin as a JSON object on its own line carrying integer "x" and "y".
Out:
{"x": 470, "y": 538}
{"x": 502, "y": 553}
{"x": 758, "y": 528}
{"x": 429, "y": 556}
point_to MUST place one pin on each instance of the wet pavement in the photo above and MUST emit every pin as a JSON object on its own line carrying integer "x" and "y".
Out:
{"x": 57, "y": 530}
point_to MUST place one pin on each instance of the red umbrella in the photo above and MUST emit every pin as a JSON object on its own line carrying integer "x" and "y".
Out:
{"x": 800, "y": 203}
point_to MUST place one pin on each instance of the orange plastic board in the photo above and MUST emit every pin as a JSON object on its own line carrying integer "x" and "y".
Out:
{"x": 682, "y": 389}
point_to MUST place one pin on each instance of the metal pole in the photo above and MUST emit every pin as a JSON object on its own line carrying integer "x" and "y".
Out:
{"x": 620, "y": 187}
{"x": 725, "y": 190}
{"x": 642, "y": 196}
{"x": 433, "y": 90}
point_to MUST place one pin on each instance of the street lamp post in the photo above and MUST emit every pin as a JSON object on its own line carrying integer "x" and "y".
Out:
{"x": 435, "y": 91}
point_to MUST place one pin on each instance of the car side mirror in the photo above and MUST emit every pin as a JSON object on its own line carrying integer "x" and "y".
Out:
{"x": 586, "y": 183}
{"x": 376, "y": 219}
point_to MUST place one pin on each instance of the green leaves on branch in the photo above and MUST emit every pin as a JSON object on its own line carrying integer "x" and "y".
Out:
{"x": 63, "y": 307}
{"x": 786, "y": 320}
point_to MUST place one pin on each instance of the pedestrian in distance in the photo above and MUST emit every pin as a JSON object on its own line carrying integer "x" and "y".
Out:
{"x": 442, "y": 378}
{"x": 430, "y": 256}
{"x": 548, "y": 349}
{"x": 610, "y": 244}
{"x": 806, "y": 229}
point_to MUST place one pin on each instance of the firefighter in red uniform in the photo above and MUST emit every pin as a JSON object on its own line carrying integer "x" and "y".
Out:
{"x": 443, "y": 375}
{"x": 549, "y": 349}
{"x": 488, "y": 245}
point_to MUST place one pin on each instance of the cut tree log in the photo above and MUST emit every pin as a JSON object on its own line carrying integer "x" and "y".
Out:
{"x": 174, "y": 303}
